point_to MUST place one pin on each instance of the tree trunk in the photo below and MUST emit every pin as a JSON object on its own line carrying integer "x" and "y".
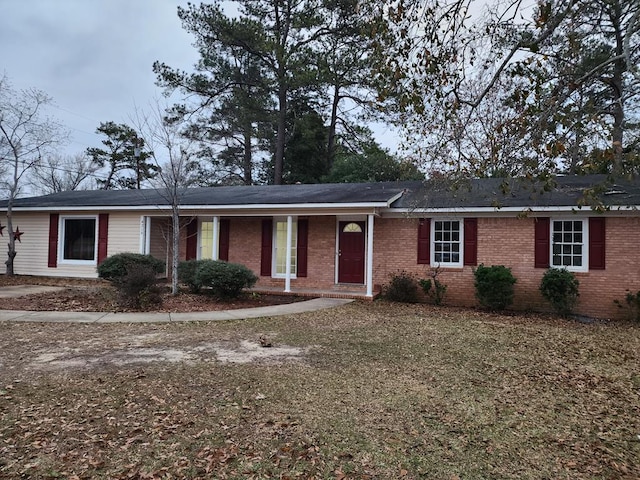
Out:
{"x": 617, "y": 89}
{"x": 331, "y": 143}
{"x": 280, "y": 138}
{"x": 247, "y": 162}
{"x": 11, "y": 253}
{"x": 175, "y": 254}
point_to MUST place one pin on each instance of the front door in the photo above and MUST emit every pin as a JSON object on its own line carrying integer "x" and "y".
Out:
{"x": 351, "y": 252}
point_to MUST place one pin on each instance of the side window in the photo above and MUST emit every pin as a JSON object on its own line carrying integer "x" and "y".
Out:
{"x": 447, "y": 243}
{"x": 79, "y": 239}
{"x": 568, "y": 244}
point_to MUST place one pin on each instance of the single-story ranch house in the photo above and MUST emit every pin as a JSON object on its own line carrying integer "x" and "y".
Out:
{"x": 348, "y": 239}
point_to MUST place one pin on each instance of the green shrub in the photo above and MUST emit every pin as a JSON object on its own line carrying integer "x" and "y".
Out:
{"x": 403, "y": 287}
{"x": 187, "y": 274}
{"x": 560, "y": 287}
{"x": 494, "y": 286}
{"x": 434, "y": 288}
{"x": 134, "y": 276}
{"x": 139, "y": 288}
{"x": 115, "y": 267}
{"x": 226, "y": 280}
{"x": 633, "y": 304}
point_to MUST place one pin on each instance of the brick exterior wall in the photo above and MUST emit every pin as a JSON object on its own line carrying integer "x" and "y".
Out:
{"x": 505, "y": 241}
{"x": 510, "y": 242}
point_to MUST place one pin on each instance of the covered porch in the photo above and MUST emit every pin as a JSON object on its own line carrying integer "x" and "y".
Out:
{"x": 304, "y": 253}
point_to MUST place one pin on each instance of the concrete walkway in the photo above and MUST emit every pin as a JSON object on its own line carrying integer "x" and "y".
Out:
{"x": 150, "y": 317}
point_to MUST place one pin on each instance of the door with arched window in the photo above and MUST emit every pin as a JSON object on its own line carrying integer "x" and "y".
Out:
{"x": 351, "y": 247}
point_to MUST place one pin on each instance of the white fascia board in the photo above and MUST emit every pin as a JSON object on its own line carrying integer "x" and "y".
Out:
{"x": 416, "y": 212}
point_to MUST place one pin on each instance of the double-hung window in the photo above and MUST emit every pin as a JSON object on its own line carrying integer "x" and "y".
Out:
{"x": 280, "y": 247}
{"x": 79, "y": 239}
{"x": 569, "y": 244}
{"x": 447, "y": 243}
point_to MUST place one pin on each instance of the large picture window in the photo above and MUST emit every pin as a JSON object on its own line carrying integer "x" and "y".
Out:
{"x": 280, "y": 247}
{"x": 568, "y": 247}
{"x": 447, "y": 243}
{"x": 79, "y": 239}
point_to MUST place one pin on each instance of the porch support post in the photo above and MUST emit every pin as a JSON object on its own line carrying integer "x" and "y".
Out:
{"x": 369, "y": 279}
{"x": 145, "y": 234}
{"x": 287, "y": 276}
{"x": 216, "y": 238}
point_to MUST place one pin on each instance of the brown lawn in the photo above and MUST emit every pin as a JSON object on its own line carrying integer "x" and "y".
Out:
{"x": 369, "y": 390}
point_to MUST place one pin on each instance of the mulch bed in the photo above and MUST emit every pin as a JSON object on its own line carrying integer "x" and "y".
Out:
{"x": 94, "y": 295}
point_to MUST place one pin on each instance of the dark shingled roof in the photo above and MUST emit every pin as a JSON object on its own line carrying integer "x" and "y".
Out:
{"x": 439, "y": 194}
{"x": 561, "y": 191}
{"x": 224, "y": 196}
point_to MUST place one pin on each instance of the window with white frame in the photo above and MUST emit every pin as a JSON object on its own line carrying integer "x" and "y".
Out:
{"x": 568, "y": 244}
{"x": 280, "y": 247}
{"x": 206, "y": 239}
{"x": 446, "y": 243}
{"x": 79, "y": 239}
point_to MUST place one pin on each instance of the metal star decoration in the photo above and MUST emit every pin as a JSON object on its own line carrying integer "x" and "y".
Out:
{"x": 2, "y": 227}
{"x": 17, "y": 234}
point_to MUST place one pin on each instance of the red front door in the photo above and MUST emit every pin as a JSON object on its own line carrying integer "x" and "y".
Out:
{"x": 351, "y": 252}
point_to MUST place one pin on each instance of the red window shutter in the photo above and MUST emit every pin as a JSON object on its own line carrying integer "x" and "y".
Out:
{"x": 223, "y": 252}
{"x": 103, "y": 236}
{"x": 424, "y": 241}
{"x": 192, "y": 240}
{"x": 542, "y": 242}
{"x": 53, "y": 240}
{"x": 470, "y": 241}
{"x": 266, "y": 250}
{"x": 303, "y": 238}
{"x": 596, "y": 243}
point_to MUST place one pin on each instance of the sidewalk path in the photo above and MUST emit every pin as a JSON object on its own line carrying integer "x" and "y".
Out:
{"x": 150, "y": 317}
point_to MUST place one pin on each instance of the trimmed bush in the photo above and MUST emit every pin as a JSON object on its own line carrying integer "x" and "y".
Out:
{"x": 187, "y": 274}
{"x": 403, "y": 287}
{"x": 494, "y": 286}
{"x": 116, "y": 267}
{"x": 226, "y": 280}
{"x": 560, "y": 288}
{"x": 134, "y": 276}
{"x": 139, "y": 289}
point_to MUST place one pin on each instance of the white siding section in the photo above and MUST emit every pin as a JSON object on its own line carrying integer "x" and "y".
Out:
{"x": 124, "y": 233}
{"x": 33, "y": 250}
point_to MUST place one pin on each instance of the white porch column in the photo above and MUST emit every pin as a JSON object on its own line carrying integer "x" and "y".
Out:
{"x": 369, "y": 279}
{"x": 287, "y": 276}
{"x": 145, "y": 235}
{"x": 216, "y": 238}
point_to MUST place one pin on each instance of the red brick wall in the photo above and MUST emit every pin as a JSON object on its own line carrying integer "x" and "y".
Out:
{"x": 245, "y": 247}
{"x": 501, "y": 241}
{"x": 510, "y": 242}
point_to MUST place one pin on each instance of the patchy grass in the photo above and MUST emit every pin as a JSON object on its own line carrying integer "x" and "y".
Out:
{"x": 382, "y": 391}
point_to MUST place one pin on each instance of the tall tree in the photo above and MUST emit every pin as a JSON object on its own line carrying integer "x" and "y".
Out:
{"x": 345, "y": 64}
{"x": 26, "y": 134}
{"x": 370, "y": 163}
{"x": 124, "y": 157}
{"x": 227, "y": 100}
{"x": 173, "y": 156}
{"x": 278, "y": 35}
{"x": 61, "y": 173}
{"x": 577, "y": 59}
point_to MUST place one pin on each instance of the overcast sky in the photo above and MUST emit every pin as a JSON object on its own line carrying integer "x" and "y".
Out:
{"x": 93, "y": 57}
